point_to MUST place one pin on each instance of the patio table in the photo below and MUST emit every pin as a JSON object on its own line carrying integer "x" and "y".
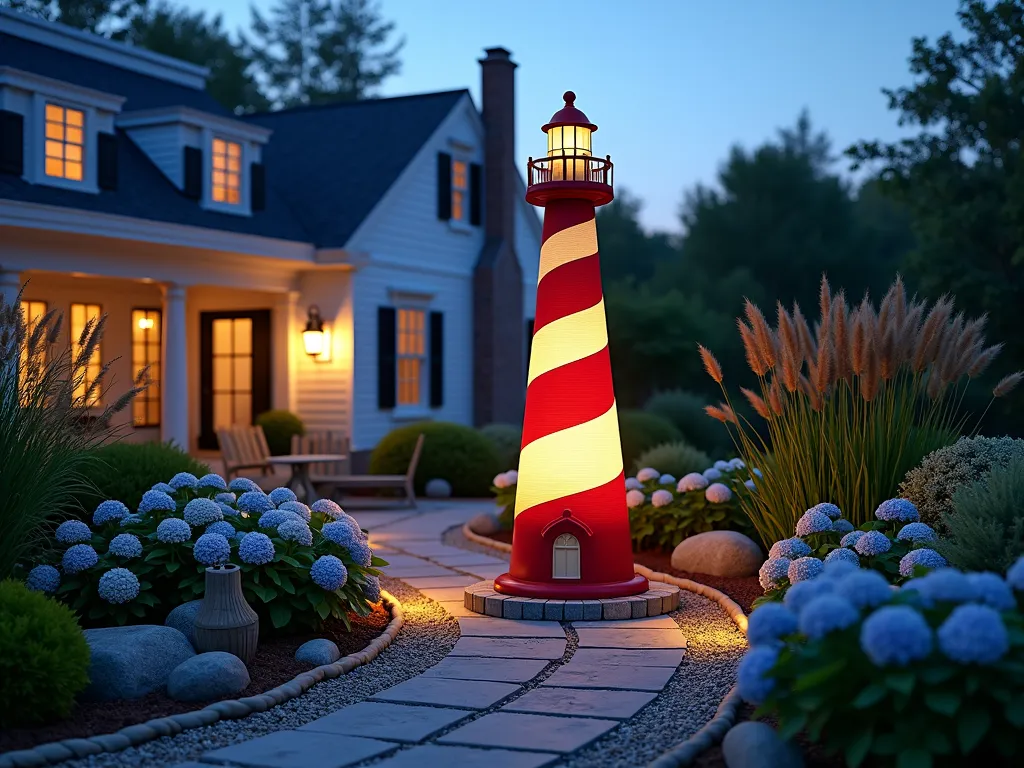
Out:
{"x": 300, "y": 464}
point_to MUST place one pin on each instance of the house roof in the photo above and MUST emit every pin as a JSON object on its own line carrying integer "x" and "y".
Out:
{"x": 333, "y": 163}
{"x": 141, "y": 91}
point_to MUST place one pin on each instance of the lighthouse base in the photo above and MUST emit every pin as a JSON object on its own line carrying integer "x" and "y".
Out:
{"x": 507, "y": 584}
{"x": 661, "y": 598}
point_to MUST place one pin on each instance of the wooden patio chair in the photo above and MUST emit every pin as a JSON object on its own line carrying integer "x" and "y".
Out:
{"x": 322, "y": 474}
{"x": 244, "y": 448}
{"x": 402, "y": 482}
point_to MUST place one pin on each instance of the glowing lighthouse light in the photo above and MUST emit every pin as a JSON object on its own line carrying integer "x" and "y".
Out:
{"x": 571, "y": 533}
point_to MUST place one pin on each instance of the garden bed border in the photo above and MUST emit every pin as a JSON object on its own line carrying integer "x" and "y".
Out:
{"x": 713, "y": 731}
{"x": 229, "y": 709}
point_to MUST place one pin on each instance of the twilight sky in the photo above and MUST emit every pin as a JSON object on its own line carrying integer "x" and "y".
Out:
{"x": 672, "y": 84}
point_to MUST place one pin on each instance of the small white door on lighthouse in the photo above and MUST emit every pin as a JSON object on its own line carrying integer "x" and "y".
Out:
{"x": 566, "y": 557}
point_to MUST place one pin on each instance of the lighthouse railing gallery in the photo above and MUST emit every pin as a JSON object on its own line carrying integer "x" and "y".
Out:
{"x": 570, "y": 168}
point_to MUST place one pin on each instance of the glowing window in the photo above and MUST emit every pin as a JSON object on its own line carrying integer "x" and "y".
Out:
{"x": 232, "y": 372}
{"x": 227, "y": 172}
{"x": 65, "y": 142}
{"x": 81, "y": 316}
{"x": 32, "y": 312}
{"x": 412, "y": 347}
{"x": 146, "y": 352}
{"x": 566, "y": 557}
{"x": 459, "y": 187}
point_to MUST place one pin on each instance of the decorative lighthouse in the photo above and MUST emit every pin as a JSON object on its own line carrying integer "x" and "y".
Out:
{"x": 571, "y": 535}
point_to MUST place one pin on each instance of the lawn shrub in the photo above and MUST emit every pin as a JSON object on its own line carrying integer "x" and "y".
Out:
{"x": 639, "y": 430}
{"x": 504, "y": 489}
{"x": 685, "y": 410}
{"x": 927, "y": 674}
{"x": 44, "y": 658}
{"x": 461, "y": 455}
{"x": 279, "y": 427}
{"x": 677, "y": 459}
{"x": 985, "y": 528}
{"x": 851, "y": 408}
{"x": 932, "y": 483}
{"x": 299, "y": 564}
{"x": 124, "y": 471}
{"x": 507, "y": 440}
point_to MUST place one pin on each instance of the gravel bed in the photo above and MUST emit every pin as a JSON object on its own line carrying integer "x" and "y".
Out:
{"x": 713, "y": 649}
{"x": 428, "y": 635}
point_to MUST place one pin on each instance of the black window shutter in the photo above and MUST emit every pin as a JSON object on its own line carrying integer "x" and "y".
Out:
{"x": 193, "y": 187}
{"x": 106, "y": 163}
{"x": 444, "y": 186}
{"x": 12, "y": 143}
{"x": 436, "y": 359}
{"x": 386, "y": 360}
{"x": 475, "y": 191}
{"x": 258, "y": 186}
{"x": 529, "y": 340}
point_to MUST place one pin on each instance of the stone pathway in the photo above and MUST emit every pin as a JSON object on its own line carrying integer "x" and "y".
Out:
{"x": 511, "y": 694}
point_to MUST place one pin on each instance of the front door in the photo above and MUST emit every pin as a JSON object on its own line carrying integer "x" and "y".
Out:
{"x": 234, "y": 370}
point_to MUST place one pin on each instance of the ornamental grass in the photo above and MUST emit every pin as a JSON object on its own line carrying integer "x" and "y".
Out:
{"x": 852, "y": 405}
{"x": 48, "y": 424}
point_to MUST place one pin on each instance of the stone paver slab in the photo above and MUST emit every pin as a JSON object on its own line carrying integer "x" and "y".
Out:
{"x": 619, "y": 676}
{"x": 498, "y": 670}
{"x": 649, "y": 622}
{"x": 440, "y": 691}
{"x": 621, "y": 637}
{"x": 485, "y": 626}
{"x": 515, "y": 730}
{"x": 445, "y": 594}
{"x": 643, "y": 657}
{"x": 456, "y": 608}
{"x": 404, "y": 571}
{"x": 301, "y": 749}
{"x": 397, "y": 561}
{"x": 435, "y": 755}
{"x": 438, "y": 582}
{"x": 468, "y": 558}
{"x": 390, "y": 722}
{"x": 510, "y": 647}
{"x": 580, "y": 702}
{"x": 485, "y": 571}
{"x": 431, "y": 548}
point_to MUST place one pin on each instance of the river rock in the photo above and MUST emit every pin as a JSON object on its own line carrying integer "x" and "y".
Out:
{"x": 183, "y": 619}
{"x": 485, "y": 524}
{"x": 207, "y": 676}
{"x": 318, "y": 652}
{"x": 438, "y": 488}
{"x": 718, "y": 553}
{"x": 752, "y": 744}
{"x": 129, "y": 662}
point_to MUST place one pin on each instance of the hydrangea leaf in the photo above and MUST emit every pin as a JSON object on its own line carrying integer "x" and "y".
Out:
{"x": 323, "y": 609}
{"x": 971, "y": 727}
{"x": 1015, "y": 711}
{"x": 944, "y": 702}
{"x": 870, "y": 696}
{"x": 280, "y": 614}
{"x": 286, "y": 584}
{"x": 902, "y": 682}
{"x": 820, "y": 675}
{"x": 914, "y": 758}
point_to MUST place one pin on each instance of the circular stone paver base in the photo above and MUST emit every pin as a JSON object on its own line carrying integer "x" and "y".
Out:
{"x": 482, "y": 598}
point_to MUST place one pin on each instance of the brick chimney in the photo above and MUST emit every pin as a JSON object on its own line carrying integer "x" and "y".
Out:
{"x": 499, "y": 328}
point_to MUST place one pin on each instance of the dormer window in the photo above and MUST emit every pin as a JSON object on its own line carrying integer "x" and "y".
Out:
{"x": 226, "y": 183}
{"x": 65, "y": 142}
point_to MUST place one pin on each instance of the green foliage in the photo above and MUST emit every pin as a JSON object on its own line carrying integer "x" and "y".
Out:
{"x": 930, "y": 712}
{"x": 279, "y": 427}
{"x": 627, "y": 252}
{"x": 461, "y": 455}
{"x": 686, "y": 411}
{"x": 124, "y": 471}
{"x": 640, "y": 430}
{"x": 46, "y": 432}
{"x": 689, "y": 513}
{"x": 676, "y": 459}
{"x": 504, "y": 490}
{"x": 44, "y": 658}
{"x": 507, "y": 440}
{"x": 281, "y": 591}
{"x": 986, "y": 524}
{"x": 931, "y": 485}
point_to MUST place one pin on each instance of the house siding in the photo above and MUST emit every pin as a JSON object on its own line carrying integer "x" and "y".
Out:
{"x": 164, "y": 144}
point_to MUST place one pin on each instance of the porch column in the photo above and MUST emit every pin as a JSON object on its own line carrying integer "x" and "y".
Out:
{"x": 10, "y": 284}
{"x": 283, "y": 366}
{"x": 174, "y": 397}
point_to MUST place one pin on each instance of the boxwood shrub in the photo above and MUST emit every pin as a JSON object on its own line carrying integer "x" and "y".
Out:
{"x": 640, "y": 430}
{"x": 279, "y": 427}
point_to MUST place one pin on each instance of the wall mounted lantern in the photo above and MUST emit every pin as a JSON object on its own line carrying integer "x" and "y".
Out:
{"x": 313, "y": 338}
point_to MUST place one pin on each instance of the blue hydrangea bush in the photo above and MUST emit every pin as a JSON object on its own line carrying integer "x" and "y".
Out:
{"x": 300, "y": 564}
{"x": 928, "y": 673}
{"x": 895, "y": 544}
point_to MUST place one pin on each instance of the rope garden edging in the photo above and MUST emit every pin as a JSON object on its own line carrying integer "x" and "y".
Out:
{"x": 713, "y": 731}
{"x": 229, "y": 709}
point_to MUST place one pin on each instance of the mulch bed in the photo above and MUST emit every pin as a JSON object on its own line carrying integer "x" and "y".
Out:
{"x": 274, "y": 665}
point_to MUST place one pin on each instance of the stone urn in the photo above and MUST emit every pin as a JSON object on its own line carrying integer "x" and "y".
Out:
{"x": 226, "y": 622}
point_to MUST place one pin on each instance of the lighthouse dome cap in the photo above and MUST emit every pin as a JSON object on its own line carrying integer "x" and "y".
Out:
{"x": 569, "y": 115}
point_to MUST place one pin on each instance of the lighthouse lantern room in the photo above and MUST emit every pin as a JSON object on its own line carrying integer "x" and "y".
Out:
{"x": 571, "y": 532}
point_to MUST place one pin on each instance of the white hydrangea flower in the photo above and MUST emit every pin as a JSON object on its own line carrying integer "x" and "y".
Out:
{"x": 647, "y": 474}
{"x": 722, "y": 466}
{"x": 635, "y": 499}
{"x": 736, "y": 464}
{"x": 666, "y": 479}
{"x": 694, "y": 481}
{"x": 712, "y": 474}
{"x": 749, "y": 484}
{"x": 717, "y": 493}
{"x": 513, "y": 476}
{"x": 183, "y": 480}
{"x": 501, "y": 480}
{"x": 660, "y": 498}
{"x": 214, "y": 481}
{"x": 632, "y": 484}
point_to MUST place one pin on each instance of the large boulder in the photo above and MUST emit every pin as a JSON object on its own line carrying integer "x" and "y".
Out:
{"x": 718, "y": 553}
{"x": 183, "y": 619}
{"x": 752, "y": 744}
{"x": 207, "y": 676}
{"x": 129, "y": 662}
{"x": 438, "y": 488}
{"x": 318, "y": 652}
{"x": 486, "y": 524}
